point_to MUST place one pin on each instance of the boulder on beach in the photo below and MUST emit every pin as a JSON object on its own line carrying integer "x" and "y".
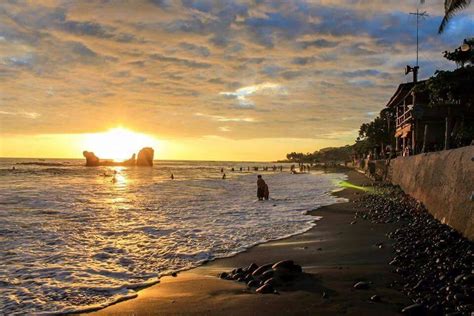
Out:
{"x": 145, "y": 157}
{"x": 266, "y": 278}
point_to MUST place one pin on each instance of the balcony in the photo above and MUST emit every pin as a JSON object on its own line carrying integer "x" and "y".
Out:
{"x": 404, "y": 118}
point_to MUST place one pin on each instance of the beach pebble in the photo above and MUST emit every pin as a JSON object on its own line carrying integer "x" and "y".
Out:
{"x": 433, "y": 260}
{"x": 361, "y": 285}
{"x": 251, "y": 268}
{"x": 262, "y": 269}
{"x": 265, "y": 289}
{"x": 267, "y": 275}
{"x": 459, "y": 278}
{"x": 264, "y": 278}
{"x": 297, "y": 268}
{"x": 253, "y": 283}
{"x": 270, "y": 281}
{"x": 283, "y": 264}
{"x": 468, "y": 279}
{"x": 414, "y": 310}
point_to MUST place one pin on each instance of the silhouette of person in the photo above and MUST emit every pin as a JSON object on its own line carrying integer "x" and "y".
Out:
{"x": 172, "y": 177}
{"x": 223, "y": 176}
{"x": 261, "y": 187}
{"x": 266, "y": 192}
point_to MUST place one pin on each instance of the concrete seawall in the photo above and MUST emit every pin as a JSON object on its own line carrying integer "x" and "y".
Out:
{"x": 443, "y": 181}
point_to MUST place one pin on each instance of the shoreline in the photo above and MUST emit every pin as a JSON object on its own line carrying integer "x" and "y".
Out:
{"x": 331, "y": 262}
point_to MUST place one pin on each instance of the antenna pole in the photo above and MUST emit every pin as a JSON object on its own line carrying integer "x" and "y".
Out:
{"x": 417, "y": 36}
{"x": 418, "y": 15}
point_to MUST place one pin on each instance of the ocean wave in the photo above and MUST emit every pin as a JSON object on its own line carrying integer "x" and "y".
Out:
{"x": 35, "y": 163}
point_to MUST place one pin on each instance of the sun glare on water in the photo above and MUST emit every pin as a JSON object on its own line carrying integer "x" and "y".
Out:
{"x": 118, "y": 143}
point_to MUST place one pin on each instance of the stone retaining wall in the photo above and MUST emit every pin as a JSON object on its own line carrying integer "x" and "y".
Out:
{"x": 443, "y": 181}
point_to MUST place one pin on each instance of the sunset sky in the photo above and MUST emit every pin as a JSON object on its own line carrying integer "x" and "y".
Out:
{"x": 220, "y": 80}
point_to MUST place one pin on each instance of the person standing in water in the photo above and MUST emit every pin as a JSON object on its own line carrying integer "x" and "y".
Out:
{"x": 261, "y": 188}
{"x": 223, "y": 177}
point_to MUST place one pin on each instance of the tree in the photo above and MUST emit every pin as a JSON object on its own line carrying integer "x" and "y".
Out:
{"x": 463, "y": 55}
{"x": 379, "y": 132}
{"x": 451, "y": 8}
{"x": 450, "y": 87}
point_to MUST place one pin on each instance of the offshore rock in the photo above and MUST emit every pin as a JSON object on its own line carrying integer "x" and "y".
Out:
{"x": 91, "y": 159}
{"x": 129, "y": 162}
{"x": 145, "y": 157}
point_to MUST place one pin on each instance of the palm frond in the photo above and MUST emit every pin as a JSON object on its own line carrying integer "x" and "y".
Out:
{"x": 451, "y": 8}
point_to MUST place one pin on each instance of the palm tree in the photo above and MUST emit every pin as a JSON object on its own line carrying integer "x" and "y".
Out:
{"x": 451, "y": 7}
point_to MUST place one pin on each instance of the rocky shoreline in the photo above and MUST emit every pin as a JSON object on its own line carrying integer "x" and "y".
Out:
{"x": 434, "y": 261}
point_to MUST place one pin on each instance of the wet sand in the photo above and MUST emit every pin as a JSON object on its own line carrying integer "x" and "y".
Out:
{"x": 334, "y": 256}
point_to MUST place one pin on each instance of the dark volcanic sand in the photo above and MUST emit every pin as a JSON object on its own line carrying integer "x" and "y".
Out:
{"x": 334, "y": 255}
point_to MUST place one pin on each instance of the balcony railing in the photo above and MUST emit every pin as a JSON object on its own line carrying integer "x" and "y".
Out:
{"x": 404, "y": 118}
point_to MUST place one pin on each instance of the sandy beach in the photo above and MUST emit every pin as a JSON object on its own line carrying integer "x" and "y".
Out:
{"x": 335, "y": 254}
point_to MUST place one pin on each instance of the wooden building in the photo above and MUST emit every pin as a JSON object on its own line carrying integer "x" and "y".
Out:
{"x": 421, "y": 127}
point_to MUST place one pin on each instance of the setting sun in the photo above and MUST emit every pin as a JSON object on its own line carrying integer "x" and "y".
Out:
{"x": 117, "y": 143}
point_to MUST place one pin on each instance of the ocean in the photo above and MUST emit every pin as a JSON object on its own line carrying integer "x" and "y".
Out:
{"x": 75, "y": 237}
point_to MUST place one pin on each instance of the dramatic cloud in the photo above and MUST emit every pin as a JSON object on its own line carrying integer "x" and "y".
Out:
{"x": 220, "y": 118}
{"x": 243, "y": 93}
{"x": 234, "y": 69}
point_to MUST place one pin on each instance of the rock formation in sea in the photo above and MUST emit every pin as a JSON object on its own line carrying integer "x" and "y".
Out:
{"x": 145, "y": 157}
{"x": 91, "y": 159}
{"x": 130, "y": 162}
